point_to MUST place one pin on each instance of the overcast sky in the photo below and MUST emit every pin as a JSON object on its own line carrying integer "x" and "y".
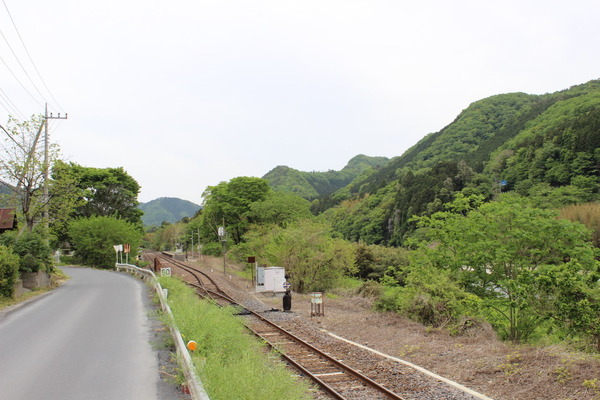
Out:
{"x": 184, "y": 94}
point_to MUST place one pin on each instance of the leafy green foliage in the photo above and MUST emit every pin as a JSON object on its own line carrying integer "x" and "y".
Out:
{"x": 102, "y": 192}
{"x": 502, "y": 251}
{"x": 558, "y": 146}
{"x": 430, "y": 296}
{"x": 93, "y": 239}
{"x": 480, "y": 121}
{"x": 385, "y": 217}
{"x": 230, "y": 203}
{"x": 373, "y": 262}
{"x": 9, "y": 271}
{"x": 168, "y": 237}
{"x": 363, "y": 219}
{"x": 314, "y": 260}
{"x": 66, "y": 196}
{"x": 279, "y": 208}
{"x": 23, "y": 165}
{"x": 32, "y": 250}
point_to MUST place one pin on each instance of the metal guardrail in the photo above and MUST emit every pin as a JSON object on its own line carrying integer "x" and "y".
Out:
{"x": 194, "y": 384}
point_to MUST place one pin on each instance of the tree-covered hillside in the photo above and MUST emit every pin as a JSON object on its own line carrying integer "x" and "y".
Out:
{"x": 542, "y": 146}
{"x": 167, "y": 209}
{"x": 311, "y": 185}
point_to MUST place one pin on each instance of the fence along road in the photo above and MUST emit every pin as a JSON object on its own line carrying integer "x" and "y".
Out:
{"x": 89, "y": 339}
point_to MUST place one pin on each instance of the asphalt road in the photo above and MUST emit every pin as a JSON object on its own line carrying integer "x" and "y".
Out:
{"x": 89, "y": 339}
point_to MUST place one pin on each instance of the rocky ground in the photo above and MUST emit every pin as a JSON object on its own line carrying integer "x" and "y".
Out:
{"x": 476, "y": 359}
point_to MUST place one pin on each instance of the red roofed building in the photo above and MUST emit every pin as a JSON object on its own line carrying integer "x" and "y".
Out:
{"x": 8, "y": 219}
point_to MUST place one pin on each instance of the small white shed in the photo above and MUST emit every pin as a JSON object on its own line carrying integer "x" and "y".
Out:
{"x": 270, "y": 279}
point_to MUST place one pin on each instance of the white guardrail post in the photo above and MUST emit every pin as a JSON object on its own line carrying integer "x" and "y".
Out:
{"x": 194, "y": 384}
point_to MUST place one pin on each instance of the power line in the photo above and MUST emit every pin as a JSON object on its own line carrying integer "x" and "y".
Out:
{"x": 20, "y": 83}
{"x": 12, "y": 106}
{"x": 21, "y": 65}
{"x": 30, "y": 58}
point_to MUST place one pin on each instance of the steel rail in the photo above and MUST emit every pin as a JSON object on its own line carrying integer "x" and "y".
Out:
{"x": 343, "y": 367}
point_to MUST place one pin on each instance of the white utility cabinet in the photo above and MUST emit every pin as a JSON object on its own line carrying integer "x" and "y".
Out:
{"x": 270, "y": 279}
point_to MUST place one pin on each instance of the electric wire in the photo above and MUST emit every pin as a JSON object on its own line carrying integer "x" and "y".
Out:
{"x": 5, "y": 107}
{"x": 31, "y": 58}
{"x": 15, "y": 110}
{"x": 22, "y": 67}
{"x": 32, "y": 63}
{"x": 20, "y": 83}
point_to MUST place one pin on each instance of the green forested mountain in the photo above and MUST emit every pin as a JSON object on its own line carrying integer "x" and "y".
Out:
{"x": 311, "y": 185}
{"x": 543, "y": 146}
{"x": 167, "y": 209}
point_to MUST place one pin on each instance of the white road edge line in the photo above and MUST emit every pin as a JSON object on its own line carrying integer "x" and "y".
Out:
{"x": 421, "y": 369}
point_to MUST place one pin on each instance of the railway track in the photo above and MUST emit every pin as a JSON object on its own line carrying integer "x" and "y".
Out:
{"x": 334, "y": 377}
{"x": 204, "y": 284}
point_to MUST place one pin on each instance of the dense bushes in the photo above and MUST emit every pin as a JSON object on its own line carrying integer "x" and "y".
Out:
{"x": 31, "y": 249}
{"x": 518, "y": 267}
{"x": 9, "y": 271}
{"x": 93, "y": 239}
{"x": 431, "y": 297}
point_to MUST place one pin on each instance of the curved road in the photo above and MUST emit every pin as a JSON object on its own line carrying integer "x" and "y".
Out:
{"x": 89, "y": 339}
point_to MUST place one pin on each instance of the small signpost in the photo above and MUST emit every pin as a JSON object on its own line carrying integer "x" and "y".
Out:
{"x": 317, "y": 308}
{"x": 126, "y": 250}
{"x": 165, "y": 271}
{"x": 118, "y": 248}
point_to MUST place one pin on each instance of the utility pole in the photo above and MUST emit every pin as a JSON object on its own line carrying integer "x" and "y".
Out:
{"x": 46, "y": 161}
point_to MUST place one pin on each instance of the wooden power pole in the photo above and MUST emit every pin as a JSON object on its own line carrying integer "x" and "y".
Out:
{"x": 47, "y": 161}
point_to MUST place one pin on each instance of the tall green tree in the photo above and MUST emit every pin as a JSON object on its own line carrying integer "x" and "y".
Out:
{"x": 98, "y": 192}
{"x": 66, "y": 195}
{"x": 501, "y": 252}
{"x": 279, "y": 208}
{"x": 94, "y": 237}
{"x": 230, "y": 203}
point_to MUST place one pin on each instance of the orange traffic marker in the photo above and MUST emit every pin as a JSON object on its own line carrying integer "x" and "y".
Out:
{"x": 191, "y": 345}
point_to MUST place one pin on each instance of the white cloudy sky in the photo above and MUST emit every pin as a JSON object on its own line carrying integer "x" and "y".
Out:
{"x": 187, "y": 93}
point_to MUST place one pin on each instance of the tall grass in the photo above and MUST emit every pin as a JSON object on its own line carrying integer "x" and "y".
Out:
{"x": 231, "y": 363}
{"x": 588, "y": 214}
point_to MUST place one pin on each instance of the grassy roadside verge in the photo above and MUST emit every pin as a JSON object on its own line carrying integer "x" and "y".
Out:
{"x": 231, "y": 363}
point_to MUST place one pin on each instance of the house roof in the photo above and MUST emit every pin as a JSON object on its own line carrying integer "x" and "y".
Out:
{"x": 7, "y": 218}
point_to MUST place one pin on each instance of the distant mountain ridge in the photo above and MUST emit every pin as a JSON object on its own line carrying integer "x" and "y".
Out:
{"x": 167, "y": 209}
{"x": 311, "y": 185}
